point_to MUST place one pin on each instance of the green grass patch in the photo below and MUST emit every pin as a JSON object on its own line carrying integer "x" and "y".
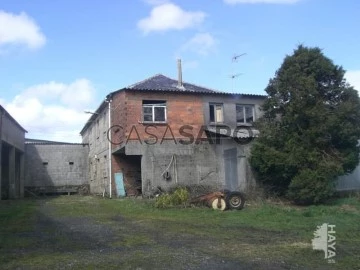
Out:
{"x": 263, "y": 233}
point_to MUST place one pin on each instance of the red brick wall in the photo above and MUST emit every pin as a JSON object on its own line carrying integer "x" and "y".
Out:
{"x": 118, "y": 117}
{"x": 182, "y": 109}
{"x": 130, "y": 166}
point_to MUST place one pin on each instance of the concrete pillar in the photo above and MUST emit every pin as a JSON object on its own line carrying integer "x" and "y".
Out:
{"x": 22, "y": 174}
{"x": 12, "y": 174}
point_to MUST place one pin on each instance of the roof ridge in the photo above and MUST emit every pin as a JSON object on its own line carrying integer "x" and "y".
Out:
{"x": 147, "y": 79}
{"x": 197, "y": 85}
{"x": 175, "y": 80}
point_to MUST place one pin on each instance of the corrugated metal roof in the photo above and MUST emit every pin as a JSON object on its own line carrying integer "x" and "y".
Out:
{"x": 45, "y": 142}
{"x": 162, "y": 83}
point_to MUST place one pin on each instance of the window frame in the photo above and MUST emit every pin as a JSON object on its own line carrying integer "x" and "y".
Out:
{"x": 215, "y": 104}
{"x": 154, "y": 105}
{"x": 244, "y": 113}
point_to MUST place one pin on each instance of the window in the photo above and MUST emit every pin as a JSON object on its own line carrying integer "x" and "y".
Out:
{"x": 245, "y": 114}
{"x": 216, "y": 113}
{"x": 154, "y": 111}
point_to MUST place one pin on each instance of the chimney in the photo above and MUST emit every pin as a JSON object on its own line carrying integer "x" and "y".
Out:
{"x": 180, "y": 83}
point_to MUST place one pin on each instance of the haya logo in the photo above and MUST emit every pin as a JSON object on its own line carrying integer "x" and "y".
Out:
{"x": 325, "y": 240}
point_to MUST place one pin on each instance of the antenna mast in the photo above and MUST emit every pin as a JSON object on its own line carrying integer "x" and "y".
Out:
{"x": 233, "y": 76}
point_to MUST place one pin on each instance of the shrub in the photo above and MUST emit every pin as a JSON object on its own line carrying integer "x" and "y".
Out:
{"x": 310, "y": 186}
{"x": 179, "y": 197}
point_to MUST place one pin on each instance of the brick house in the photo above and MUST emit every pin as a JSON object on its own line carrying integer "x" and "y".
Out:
{"x": 161, "y": 133}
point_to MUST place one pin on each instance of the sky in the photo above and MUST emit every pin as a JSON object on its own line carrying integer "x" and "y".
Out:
{"x": 61, "y": 58}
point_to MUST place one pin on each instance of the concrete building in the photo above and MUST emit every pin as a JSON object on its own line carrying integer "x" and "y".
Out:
{"x": 94, "y": 134}
{"x": 349, "y": 182}
{"x": 230, "y": 118}
{"x": 159, "y": 136}
{"x": 12, "y": 147}
{"x": 55, "y": 167}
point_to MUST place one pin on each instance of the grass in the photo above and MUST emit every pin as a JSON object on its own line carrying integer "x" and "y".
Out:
{"x": 69, "y": 229}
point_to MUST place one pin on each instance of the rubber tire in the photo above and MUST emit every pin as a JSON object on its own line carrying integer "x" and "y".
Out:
{"x": 235, "y": 200}
{"x": 214, "y": 204}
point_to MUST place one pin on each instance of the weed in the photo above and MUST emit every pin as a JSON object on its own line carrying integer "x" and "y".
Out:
{"x": 179, "y": 197}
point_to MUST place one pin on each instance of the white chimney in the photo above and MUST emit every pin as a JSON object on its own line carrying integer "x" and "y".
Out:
{"x": 180, "y": 82}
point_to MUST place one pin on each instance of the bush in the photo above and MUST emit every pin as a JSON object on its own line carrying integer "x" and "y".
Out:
{"x": 310, "y": 186}
{"x": 180, "y": 197}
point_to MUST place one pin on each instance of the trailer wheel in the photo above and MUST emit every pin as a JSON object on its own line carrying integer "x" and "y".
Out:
{"x": 235, "y": 200}
{"x": 218, "y": 204}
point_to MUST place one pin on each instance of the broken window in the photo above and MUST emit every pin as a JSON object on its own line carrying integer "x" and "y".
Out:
{"x": 154, "y": 111}
{"x": 245, "y": 114}
{"x": 216, "y": 113}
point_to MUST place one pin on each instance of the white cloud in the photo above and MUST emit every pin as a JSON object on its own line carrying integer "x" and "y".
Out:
{"x": 20, "y": 29}
{"x": 353, "y": 78}
{"x": 53, "y": 111}
{"x": 75, "y": 95}
{"x": 201, "y": 43}
{"x": 169, "y": 16}
{"x": 233, "y": 2}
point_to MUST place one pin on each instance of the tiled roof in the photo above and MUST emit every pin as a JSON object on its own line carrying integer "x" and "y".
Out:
{"x": 163, "y": 83}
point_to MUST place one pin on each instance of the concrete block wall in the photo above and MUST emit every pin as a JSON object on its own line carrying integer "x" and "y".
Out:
{"x": 96, "y": 137}
{"x": 229, "y": 106}
{"x": 186, "y": 164}
{"x": 12, "y": 134}
{"x": 245, "y": 180}
{"x": 56, "y": 165}
{"x": 12, "y": 140}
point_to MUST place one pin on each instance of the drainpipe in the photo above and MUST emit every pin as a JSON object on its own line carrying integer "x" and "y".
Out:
{"x": 110, "y": 154}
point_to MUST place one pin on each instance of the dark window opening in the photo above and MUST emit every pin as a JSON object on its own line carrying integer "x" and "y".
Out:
{"x": 216, "y": 113}
{"x": 245, "y": 114}
{"x": 154, "y": 111}
{"x": 71, "y": 163}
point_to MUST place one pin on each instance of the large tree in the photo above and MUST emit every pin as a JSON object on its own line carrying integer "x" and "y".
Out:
{"x": 310, "y": 129}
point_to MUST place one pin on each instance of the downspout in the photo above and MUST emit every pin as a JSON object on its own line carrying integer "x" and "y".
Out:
{"x": 110, "y": 154}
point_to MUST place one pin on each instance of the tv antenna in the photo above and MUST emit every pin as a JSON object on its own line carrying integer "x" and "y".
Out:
{"x": 236, "y": 57}
{"x": 233, "y": 75}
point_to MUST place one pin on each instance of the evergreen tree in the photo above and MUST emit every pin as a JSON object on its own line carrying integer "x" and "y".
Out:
{"x": 310, "y": 129}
